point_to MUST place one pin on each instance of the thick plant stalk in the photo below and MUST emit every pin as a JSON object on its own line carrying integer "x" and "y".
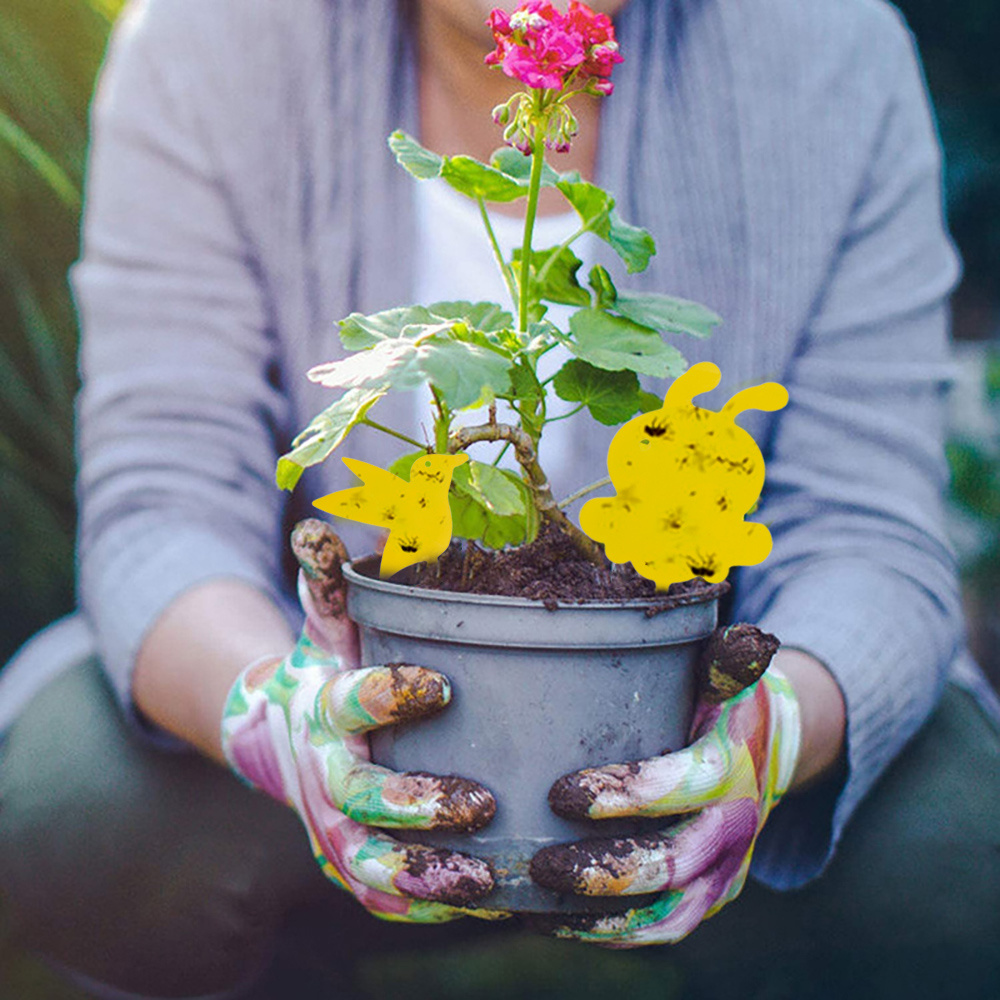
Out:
{"x": 537, "y": 481}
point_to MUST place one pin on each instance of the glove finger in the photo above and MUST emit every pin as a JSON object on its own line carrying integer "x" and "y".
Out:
{"x": 629, "y": 866}
{"x": 433, "y": 874}
{"x": 322, "y": 589}
{"x": 336, "y": 840}
{"x": 413, "y": 800}
{"x": 710, "y": 771}
{"x": 734, "y": 657}
{"x": 358, "y": 701}
{"x": 668, "y": 920}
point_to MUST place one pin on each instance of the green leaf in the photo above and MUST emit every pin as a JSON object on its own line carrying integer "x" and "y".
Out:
{"x": 13, "y": 136}
{"x": 489, "y": 487}
{"x": 649, "y": 401}
{"x": 422, "y": 163}
{"x": 468, "y": 518}
{"x": 359, "y": 332}
{"x": 524, "y": 384}
{"x": 515, "y": 164}
{"x": 611, "y": 396}
{"x": 604, "y": 287}
{"x": 324, "y": 434}
{"x": 501, "y": 531}
{"x": 472, "y": 517}
{"x": 617, "y": 344}
{"x": 596, "y": 209}
{"x": 466, "y": 375}
{"x": 992, "y": 378}
{"x": 560, "y": 284}
{"x": 391, "y": 363}
{"x": 531, "y": 517}
{"x": 592, "y": 204}
{"x": 634, "y": 245}
{"x": 477, "y": 180}
{"x": 666, "y": 313}
{"x": 485, "y": 316}
{"x": 402, "y": 465}
{"x": 541, "y": 333}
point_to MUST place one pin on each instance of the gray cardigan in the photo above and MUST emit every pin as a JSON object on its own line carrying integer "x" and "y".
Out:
{"x": 241, "y": 199}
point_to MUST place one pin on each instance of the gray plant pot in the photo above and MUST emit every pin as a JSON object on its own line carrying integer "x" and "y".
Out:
{"x": 536, "y": 693}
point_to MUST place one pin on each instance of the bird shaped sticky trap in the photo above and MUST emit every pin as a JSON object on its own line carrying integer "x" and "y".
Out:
{"x": 685, "y": 477}
{"x": 416, "y": 514}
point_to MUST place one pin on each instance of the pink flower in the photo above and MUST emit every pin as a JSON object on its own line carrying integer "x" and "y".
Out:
{"x": 598, "y": 35}
{"x": 536, "y": 45}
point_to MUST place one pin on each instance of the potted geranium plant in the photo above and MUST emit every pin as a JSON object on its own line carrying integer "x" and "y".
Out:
{"x": 525, "y": 661}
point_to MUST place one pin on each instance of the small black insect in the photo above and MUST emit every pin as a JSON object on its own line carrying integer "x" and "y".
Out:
{"x": 702, "y": 565}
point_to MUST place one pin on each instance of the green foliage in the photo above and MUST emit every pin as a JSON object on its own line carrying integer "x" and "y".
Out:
{"x": 324, "y": 434}
{"x": 489, "y": 487}
{"x": 49, "y": 56}
{"x": 611, "y": 397}
{"x": 975, "y": 485}
{"x": 553, "y": 273}
{"x": 506, "y": 179}
{"x": 617, "y": 344}
{"x": 472, "y": 353}
{"x": 460, "y": 362}
{"x": 487, "y": 504}
{"x": 667, "y": 314}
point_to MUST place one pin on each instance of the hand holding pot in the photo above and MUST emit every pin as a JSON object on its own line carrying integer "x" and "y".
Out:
{"x": 294, "y": 727}
{"x": 746, "y": 734}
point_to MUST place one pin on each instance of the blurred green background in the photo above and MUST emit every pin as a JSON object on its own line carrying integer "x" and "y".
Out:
{"x": 50, "y": 51}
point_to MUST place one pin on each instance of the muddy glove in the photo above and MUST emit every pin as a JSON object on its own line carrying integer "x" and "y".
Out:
{"x": 746, "y": 736}
{"x": 294, "y": 728}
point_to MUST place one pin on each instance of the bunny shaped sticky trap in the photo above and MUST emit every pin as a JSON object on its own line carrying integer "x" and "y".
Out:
{"x": 685, "y": 478}
{"x": 416, "y": 514}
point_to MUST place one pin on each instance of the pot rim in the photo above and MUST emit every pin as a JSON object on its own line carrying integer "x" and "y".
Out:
{"x": 712, "y": 592}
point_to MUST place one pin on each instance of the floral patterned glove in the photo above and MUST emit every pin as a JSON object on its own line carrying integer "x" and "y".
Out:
{"x": 294, "y": 728}
{"x": 745, "y": 749}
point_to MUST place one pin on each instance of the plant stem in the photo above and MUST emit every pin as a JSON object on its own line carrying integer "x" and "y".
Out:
{"x": 536, "y": 480}
{"x": 564, "y": 416}
{"x": 501, "y": 453}
{"x": 583, "y": 491}
{"x": 534, "y": 187}
{"x": 442, "y": 424}
{"x": 508, "y": 275}
{"x": 395, "y": 434}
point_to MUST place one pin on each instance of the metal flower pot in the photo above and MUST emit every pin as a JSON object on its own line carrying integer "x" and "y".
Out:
{"x": 536, "y": 693}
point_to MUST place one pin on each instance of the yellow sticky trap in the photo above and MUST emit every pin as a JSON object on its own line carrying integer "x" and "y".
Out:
{"x": 685, "y": 478}
{"x": 416, "y": 514}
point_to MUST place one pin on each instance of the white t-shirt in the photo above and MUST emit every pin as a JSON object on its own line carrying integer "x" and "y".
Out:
{"x": 454, "y": 261}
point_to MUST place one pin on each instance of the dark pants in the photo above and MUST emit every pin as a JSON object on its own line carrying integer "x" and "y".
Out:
{"x": 161, "y": 874}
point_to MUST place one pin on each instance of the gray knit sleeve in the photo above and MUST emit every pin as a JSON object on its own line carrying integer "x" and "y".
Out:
{"x": 177, "y": 416}
{"x": 861, "y": 575}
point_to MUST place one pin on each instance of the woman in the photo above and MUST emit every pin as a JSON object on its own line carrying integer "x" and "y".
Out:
{"x": 241, "y": 199}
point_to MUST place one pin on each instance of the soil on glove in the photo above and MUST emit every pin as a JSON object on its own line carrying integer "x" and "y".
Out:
{"x": 549, "y": 570}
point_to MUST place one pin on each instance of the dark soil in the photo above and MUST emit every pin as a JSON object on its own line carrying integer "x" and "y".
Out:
{"x": 549, "y": 570}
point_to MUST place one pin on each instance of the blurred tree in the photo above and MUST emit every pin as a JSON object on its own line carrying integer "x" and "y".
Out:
{"x": 49, "y": 55}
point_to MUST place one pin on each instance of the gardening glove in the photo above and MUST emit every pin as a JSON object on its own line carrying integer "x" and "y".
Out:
{"x": 746, "y": 735}
{"x": 294, "y": 728}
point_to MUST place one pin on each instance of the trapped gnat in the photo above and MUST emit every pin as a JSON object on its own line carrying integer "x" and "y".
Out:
{"x": 685, "y": 478}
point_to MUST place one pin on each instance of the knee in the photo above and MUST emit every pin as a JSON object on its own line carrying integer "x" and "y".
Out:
{"x": 155, "y": 873}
